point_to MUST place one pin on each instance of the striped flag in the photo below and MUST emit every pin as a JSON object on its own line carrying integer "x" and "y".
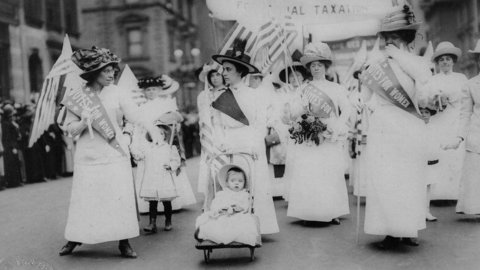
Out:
{"x": 53, "y": 90}
{"x": 238, "y": 31}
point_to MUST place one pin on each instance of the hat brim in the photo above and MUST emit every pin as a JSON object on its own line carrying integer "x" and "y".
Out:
{"x": 393, "y": 28}
{"x": 223, "y": 173}
{"x": 476, "y": 50}
{"x": 170, "y": 90}
{"x": 295, "y": 67}
{"x": 222, "y": 58}
{"x": 453, "y": 51}
{"x": 86, "y": 74}
{"x": 305, "y": 60}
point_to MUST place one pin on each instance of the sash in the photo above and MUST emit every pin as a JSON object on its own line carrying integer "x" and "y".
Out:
{"x": 380, "y": 78}
{"x": 227, "y": 104}
{"x": 319, "y": 103}
{"x": 79, "y": 99}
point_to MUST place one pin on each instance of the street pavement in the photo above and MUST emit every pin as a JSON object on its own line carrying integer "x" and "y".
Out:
{"x": 33, "y": 220}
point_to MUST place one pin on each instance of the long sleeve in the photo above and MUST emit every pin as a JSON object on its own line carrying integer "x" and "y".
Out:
{"x": 466, "y": 111}
{"x": 175, "y": 160}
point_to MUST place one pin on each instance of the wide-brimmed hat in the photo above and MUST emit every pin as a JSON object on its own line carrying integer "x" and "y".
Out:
{"x": 169, "y": 118}
{"x": 223, "y": 174}
{"x": 166, "y": 84}
{"x": 94, "y": 59}
{"x": 403, "y": 19}
{"x": 318, "y": 51}
{"x": 237, "y": 54}
{"x": 446, "y": 47}
{"x": 203, "y": 72}
{"x": 296, "y": 66}
{"x": 477, "y": 48}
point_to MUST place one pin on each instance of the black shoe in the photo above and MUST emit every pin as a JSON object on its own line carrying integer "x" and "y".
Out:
{"x": 126, "y": 250}
{"x": 335, "y": 221}
{"x": 389, "y": 242}
{"x": 413, "y": 242}
{"x": 168, "y": 225}
{"x": 151, "y": 228}
{"x": 68, "y": 248}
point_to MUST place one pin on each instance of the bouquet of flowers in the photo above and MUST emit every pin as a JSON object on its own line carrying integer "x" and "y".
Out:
{"x": 308, "y": 128}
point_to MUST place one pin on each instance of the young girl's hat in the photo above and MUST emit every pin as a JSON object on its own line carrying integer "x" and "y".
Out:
{"x": 165, "y": 83}
{"x": 444, "y": 48}
{"x": 169, "y": 118}
{"x": 223, "y": 174}
{"x": 316, "y": 52}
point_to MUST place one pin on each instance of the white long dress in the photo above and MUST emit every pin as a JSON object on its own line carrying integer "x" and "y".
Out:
{"x": 238, "y": 136}
{"x": 396, "y": 154}
{"x": 445, "y": 125}
{"x": 102, "y": 203}
{"x": 318, "y": 191}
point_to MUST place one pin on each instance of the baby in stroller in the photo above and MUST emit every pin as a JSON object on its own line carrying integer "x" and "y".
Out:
{"x": 229, "y": 218}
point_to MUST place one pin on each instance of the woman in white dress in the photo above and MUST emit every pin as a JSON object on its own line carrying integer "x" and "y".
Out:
{"x": 102, "y": 204}
{"x": 297, "y": 75}
{"x": 396, "y": 153}
{"x": 469, "y": 131}
{"x": 242, "y": 120}
{"x": 216, "y": 84}
{"x": 318, "y": 190}
{"x": 445, "y": 123}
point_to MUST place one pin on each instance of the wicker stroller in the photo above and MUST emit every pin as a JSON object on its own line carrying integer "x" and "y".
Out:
{"x": 233, "y": 158}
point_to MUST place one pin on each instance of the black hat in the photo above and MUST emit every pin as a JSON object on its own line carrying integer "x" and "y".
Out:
{"x": 91, "y": 60}
{"x": 237, "y": 54}
{"x": 296, "y": 66}
{"x": 167, "y": 85}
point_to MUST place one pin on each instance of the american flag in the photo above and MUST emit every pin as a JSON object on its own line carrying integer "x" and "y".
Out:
{"x": 63, "y": 72}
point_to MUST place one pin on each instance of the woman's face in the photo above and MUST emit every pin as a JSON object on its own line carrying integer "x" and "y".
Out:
{"x": 230, "y": 73}
{"x": 318, "y": 69}
{"x": 151, "y": 92}
{"x": 216, "y": 79}
{"x": 445, "y": 63}
{"x": 235, "y": 181}
{"x": 393, "y": 38}
{"x": 293, "y": 81}
{"x": 106, "y": 76}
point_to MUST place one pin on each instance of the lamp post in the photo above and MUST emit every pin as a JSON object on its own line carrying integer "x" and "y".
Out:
{"x": 185, "y": 75}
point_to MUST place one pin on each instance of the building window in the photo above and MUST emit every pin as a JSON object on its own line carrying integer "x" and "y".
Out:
{"x": 54, "y": 15}
{"x": 35, "y": 71}
{"x": 34, "y": 13}
{"x": 71, "y": 18}
{"x": 135, "y": 42}
{"x": 180, "y": 7}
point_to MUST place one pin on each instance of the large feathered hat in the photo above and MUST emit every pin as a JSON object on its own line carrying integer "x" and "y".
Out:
{"x": 165, "y": 83}
{"x": 91, "y": 60}
{"x": 237, "y": 54}
{"x": 403, "y": 19}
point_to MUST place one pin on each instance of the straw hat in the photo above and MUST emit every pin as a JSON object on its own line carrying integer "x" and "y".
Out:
{"x": 237, "y": 54}
{"x": 446, "y": 47}
{"x": 477, "y": 48}
{"x": 169, "y": 118}
{"x": 316, "y": 52}
{"x": 223, "y": 174}
{"x": 166, "y": 84}
{"x": 403, "y": 19}
{"x": 94, "y": 59}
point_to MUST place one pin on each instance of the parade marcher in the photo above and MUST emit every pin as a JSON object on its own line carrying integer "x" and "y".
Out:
{"x": 445, "y": 123}
{"x": 158, "y": 183}
{"x": 242, "y": 120}
{"x": 102, "y": 204}
{"x": 318, "y": 190}
{"x": 157, "y": 91}
{"x": 293, "y": 77}
{"x": 216, "y": 85}
{"x": 10, "y": 140}
{"x": 469, "y": 131}
{"x": 396, "y": 149}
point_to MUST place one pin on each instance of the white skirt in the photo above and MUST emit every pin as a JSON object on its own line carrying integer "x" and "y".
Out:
{"x": 318, "y": 188}
{"x": 396, "y": 160}
{"x": 469, "y": 198}
{"x": 102, "y": 204}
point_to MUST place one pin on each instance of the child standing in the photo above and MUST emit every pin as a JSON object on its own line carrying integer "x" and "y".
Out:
{"x": 229, "y": 218}
{"x": 158, "y": 183}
